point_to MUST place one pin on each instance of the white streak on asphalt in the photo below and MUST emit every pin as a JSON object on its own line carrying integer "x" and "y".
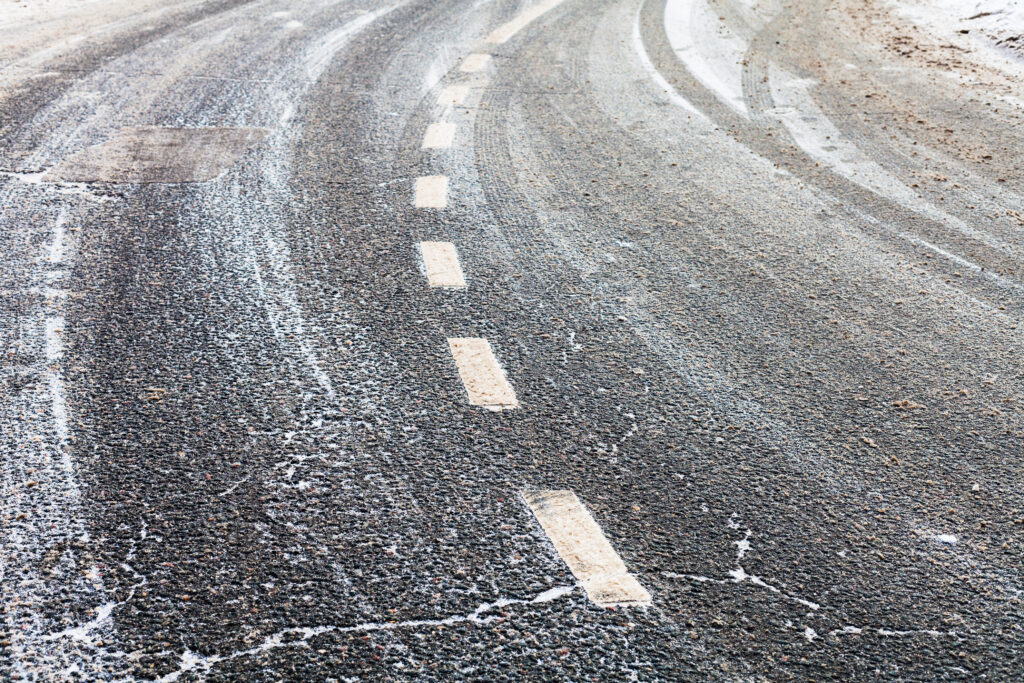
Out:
{"x": 431, "y": 192}
{"x": 82, "y": 632}
{"x": 54, "y": 352}
{"x": 889, "y": 633}
{"x": 277, "y": 289}
{"x": 268, "y": 253}
{"x": 963, "y": 263}
{"x": 585, "y": 549}
{"x": 54, "y": 329}
{"x": 475, "y": 63}
{"x": 671, "y": 93}
{"x": 79, "y": 189}
{"x": 441, "y": 265}
{"x": 521, "y": 21}
{"x": 453, "y": 94}
{"x": 320, "y": 57}
{"x": 55, "y": 254}
{"x": 35, "y": 444}
{"x": 439, "y": 135}
{"x": 708, "y": 49}
{"x": 816, "y": 135}
{"x": 192, "y": 662}
{"x": 482, "y": 376}
{"x": 439, "y": 66}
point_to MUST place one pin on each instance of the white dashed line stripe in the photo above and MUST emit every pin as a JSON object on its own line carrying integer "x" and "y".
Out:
{"x": 584, "y": 548}
{"x": 441, "y": 263}
{"x": 474, "y": 63}
{"x": 439, "y": 135}
{"x": 453, "y": 94}
{"x": 431, "y": 192}
{"x": 506, "y": 31}
{"x": 481, "y": 375}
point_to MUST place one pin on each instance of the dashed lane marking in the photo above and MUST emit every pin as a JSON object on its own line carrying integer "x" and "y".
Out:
{"x": 439, "y": 135}
{"x": 474, "y": 63}
{"x": 441, "y": 263}
{"x": 431, "y": 192}
{"x": 506, "y": 31}
{"x": 481, "y": 375}
{"x": 453, "y": 94}
{"x": 584, "y": 548}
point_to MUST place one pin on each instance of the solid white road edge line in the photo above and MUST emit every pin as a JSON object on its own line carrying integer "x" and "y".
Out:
{"x": 431, "y": 192}
{"x": 441, "y": 264}
{"x": 483, "y": 378}
{"x": 584, "y": 548}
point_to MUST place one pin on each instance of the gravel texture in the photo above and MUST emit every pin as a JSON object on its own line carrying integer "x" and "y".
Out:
{"x": 771, "y": 343}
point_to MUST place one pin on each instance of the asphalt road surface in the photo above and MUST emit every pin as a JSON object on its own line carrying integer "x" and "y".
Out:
{"x": 494, "y": 340}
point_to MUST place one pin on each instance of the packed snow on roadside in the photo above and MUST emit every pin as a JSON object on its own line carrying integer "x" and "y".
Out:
{"x": 15, "y": 12}
{"x": 1001, "y": 22}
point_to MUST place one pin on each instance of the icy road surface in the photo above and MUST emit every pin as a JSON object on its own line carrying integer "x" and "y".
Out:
{"x": 582, "y": 340}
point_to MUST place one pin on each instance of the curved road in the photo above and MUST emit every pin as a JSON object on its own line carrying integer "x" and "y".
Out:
{"x": 746, "y": 278}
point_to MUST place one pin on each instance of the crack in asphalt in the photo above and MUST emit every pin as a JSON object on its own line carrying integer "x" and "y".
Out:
{"x": 192, "y": 662}
{"x": 740, "y": 575}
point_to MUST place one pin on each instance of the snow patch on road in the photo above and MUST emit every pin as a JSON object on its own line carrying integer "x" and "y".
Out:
{"x": 816, "y": 135}
{"x": 44, "y": 578}
{"x": 671, "y": 93}
{"x": 708, "y": 48}
{"x": 321, "y": 55}
{"x": 999, "y": 24}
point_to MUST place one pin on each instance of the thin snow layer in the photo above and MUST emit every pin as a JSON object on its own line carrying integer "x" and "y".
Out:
{"x": 41, "y": 542}
{"x": 59, "y": 620}
{"x": 16, "y": 13}
{"x": 710, "y": 51}
{"x": 671, "y": 93}
{"x": 816, "y": 135}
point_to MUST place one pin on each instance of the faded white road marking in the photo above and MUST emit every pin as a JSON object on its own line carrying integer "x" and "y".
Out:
{"x": 441, "y": 263}
{"x": 432, "y": 192}
{"x": 453, "y": 94}
{"x": 481, "y": 375}
{"x": 475, "y": 62}
{"x": 439, "y": 135}
{"x": 583, "y": 547}
{"x": 506, "y": 31}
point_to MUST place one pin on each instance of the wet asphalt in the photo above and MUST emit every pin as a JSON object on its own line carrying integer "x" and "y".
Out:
{"x": 251, "y": 457}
